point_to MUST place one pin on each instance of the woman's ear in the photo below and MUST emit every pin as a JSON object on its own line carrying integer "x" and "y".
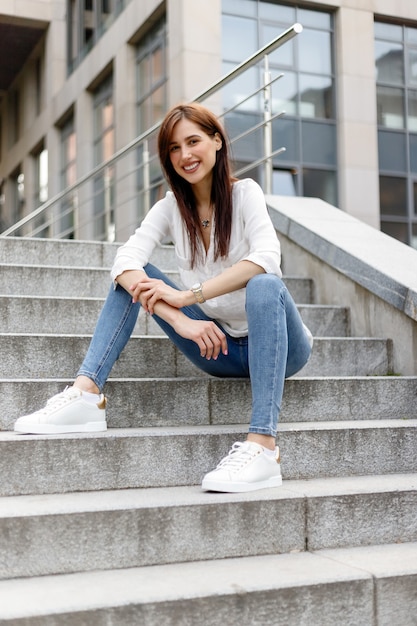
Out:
{"x": 218, "y": 140}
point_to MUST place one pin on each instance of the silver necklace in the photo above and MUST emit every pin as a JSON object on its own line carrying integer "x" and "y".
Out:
{"x": 205, "y": 223}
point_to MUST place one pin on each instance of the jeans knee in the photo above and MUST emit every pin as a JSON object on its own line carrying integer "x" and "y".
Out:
{"x": 262, "y": 287}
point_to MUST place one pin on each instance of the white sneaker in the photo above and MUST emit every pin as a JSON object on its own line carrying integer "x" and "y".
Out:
{"x": 67, "y": 412}
{"x": 245, "y": 468}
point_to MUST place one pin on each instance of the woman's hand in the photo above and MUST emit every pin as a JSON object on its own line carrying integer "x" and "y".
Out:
{"x": 206, "y": 334}
{"x": 148, "y": 291}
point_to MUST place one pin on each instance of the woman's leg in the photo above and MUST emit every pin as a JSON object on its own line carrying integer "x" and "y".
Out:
{"x": 113, "y": 330}
{"x": 279, "y": 346}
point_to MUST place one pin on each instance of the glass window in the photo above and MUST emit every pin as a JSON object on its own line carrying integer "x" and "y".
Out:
{"x": 395, "y": 229}
{"x": 316, "y": 96}
{"x": 320, "y": 184}
{"x": 238, "y": 48}
{"x": 304, "y": 93}
{"x": 392, "y": 150}
{"x": 280, "y": 13}
{"x": 389, "y": 61}
{"x": 240, "y": 7}
{"x": 390, "y": 107}
{"x": 319, "y": 143}
{"x": 68, "y": 176}
{"x": 315, "y": 52}
{"x": 393, "y": 195}
{"x": 413, "y": 153}
{"x": 396, "y": 72}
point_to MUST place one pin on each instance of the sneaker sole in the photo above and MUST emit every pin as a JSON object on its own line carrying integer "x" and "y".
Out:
{"x": 212, "y": 485}
{"x": 60, "y": 429}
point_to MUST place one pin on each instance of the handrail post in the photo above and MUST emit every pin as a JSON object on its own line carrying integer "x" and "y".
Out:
{"x": 267, "y": 126}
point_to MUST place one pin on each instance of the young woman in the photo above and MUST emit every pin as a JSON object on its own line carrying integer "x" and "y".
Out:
{"x": 232, "y": 318}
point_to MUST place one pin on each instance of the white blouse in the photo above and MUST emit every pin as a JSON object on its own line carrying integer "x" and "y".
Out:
{"x": 253, "y": 238}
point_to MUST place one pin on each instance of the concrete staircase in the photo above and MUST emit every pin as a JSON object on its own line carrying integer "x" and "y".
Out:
{"x": 113, "y": 528}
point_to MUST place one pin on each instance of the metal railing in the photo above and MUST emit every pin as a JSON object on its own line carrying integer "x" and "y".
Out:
{"x": 86, "y": 209}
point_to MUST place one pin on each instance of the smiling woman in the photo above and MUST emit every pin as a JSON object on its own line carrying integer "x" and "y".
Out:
{"x": 233, "y": 315}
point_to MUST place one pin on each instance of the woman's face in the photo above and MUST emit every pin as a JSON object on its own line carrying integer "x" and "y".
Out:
{"x": 193, "y": 152}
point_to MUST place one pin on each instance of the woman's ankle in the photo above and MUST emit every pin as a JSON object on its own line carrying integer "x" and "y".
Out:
{"x": 86, "y": 384}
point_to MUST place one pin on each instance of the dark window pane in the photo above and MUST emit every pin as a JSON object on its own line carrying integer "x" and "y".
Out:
{"x": 392, "y": 151}
{"x": 413, "y": 241}
{"x": 319, "y": 143}
{"x": 396, "y": 230}
{"x": 393, "y": 195}
{"x": 415, "y": 197}
{"x": 316, "y": 95}
{"x": 315, "y": 52}
{"x": 320, "y": 184}
{"x": 390, "y": 107}
{"x": 413, "y": 153}
{"x": 389, "y": 63}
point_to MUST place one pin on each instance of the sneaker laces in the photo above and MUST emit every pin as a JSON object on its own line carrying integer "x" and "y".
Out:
{"x": 239, "y": 455}
{"x": 60, "y": 399}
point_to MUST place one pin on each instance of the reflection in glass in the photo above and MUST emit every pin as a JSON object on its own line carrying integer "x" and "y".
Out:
{"x": 390, "y": 107}
{"x": 320, "y": 184}
{"x": 284, "y": 182}
{"x": 396, "y": 230}
{"x": 412, "y": 111}
{"x": 316, "y": 96}
{"x": 413, "y": 241}
{"x": 284, "y": 55}
{"x": 393, "y": 195}
{"x": 389, "y": 62}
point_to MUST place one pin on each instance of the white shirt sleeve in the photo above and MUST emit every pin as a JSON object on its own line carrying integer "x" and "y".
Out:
{"x": 259, "y": 232}
{"x": 136, "y": 252}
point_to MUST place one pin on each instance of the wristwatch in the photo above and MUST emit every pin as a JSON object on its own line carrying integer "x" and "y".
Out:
{"x": 197, "y": 290}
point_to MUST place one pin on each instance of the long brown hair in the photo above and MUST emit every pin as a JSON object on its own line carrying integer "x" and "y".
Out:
{"x": 221, "y": 190}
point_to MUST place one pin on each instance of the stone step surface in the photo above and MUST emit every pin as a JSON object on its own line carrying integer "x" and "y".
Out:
{"x": 94, "y": 282}
{"x": 52, "y": 315}
{"x": 363, "y": 585}
{"x": 134, "y": 403}
{"x": 131, "y": 458}
{"x": 117, "y": 529}
{"x": 38, "y": 355}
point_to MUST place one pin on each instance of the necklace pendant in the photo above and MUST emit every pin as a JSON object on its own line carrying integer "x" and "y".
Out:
{"x": 205, "y": 223}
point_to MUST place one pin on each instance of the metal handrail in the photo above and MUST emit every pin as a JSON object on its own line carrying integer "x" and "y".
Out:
{"x": 252, "y": 60}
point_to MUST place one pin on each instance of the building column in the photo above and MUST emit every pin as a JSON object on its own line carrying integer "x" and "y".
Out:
{"x": 357, "y": 122}
{"x": 194, "y": 35}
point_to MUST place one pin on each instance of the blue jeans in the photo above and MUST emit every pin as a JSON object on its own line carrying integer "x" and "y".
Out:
{"x": 276, "y": 347}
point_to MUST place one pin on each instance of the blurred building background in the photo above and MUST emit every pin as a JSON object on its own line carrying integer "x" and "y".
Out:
{"x": 80, "y": 79}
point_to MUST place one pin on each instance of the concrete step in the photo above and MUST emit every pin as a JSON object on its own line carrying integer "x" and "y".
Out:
{"x": 53, "y": 315}
{"x": 134, "y": 403}
{"x": 364, "y": 585}
{"x": 138, "y": 527}
{"x": 14, "y": 250}
{"x": 26, "y": 355}
{"x": 175, "y": 456}
{"x": 93, "y": 282}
